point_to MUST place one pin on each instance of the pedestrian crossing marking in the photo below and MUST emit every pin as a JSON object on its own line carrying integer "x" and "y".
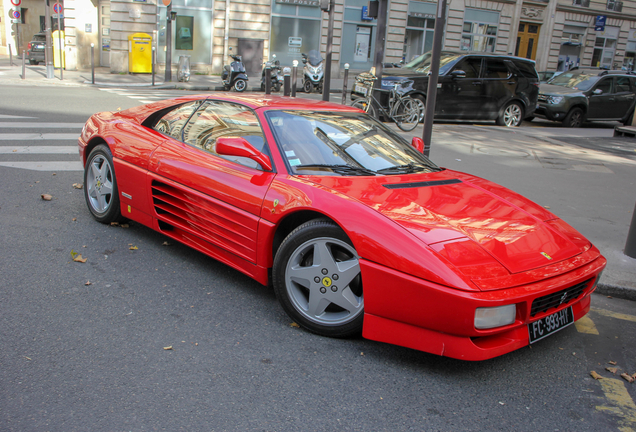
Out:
{"x": 31, "y": 125}
{"x": 39, "y": 150}
{"x": 45, "y": 166}
{"x": 38, "y": 136}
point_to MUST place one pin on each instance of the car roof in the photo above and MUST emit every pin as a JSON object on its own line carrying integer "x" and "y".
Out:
{"x": 486, "y": 54}
{"x": 601, "y": 72}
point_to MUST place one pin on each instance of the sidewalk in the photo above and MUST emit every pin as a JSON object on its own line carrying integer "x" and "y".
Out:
{"x": 585, "y": 176}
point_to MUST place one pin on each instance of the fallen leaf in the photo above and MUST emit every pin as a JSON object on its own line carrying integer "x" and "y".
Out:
{"x": 361, "y": 353}
{"x": 125, "y": 225}
{"x": 114, "y": 224}
{"x": 294, "y": 325}
{"x": 78, "y": 258}
{"x": 612, "y": 370}
{"x": 54, "y": 173}
{"x": 28, "y": 358}
{"x": 133, "y": 248}
{"x": 168, "y": 348}
{"x": 38, "y": 181}
{"x": 165, "y": 244}
{"x": 547, "y": 207}
{"x": 78, "y": 185}
{"x": 612, "y": 362}
{"x": 88, "y": 283}
{"x": 74, "y": 219}
{"x": 595, "y": 375}
{"x": 46, "y": 197}
{"x": 628, "y": 377}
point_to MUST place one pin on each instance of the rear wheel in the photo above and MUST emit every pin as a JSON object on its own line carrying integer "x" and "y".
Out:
{"x": 422, "y": 105}
{"x": 277, "y": 87}
{"x": 240, "y": 85}
{"x": 574, "y": 119}
{"x": 406, "y": 113}
{"x": 33, "y": 62}
{"x": 511, "y": 116}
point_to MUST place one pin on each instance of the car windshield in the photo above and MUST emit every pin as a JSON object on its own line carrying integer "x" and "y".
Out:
{"x": 328, "y": 143}
{"x": 423, "y": 63}
{"x": 575, "y": 80}
{"x": 39, "y": 38}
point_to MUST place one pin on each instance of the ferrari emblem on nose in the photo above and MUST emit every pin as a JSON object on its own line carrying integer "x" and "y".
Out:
{"x": 546, "y": 255}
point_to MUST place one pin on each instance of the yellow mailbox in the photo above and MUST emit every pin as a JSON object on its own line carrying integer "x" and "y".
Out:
{"x": 56, "y": 49}
{"x": 140, "y": 53}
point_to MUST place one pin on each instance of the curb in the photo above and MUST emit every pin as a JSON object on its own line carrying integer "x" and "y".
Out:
{"x": 616, "y": 291}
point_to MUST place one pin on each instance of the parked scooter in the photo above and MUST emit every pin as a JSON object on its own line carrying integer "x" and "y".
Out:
{"x": 313, "y": 73}
{"x": 234, "y": 75}
{"x": 276, "y": 77}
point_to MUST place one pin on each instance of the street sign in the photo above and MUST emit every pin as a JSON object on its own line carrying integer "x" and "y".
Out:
{"x": 16, "y": 13}
{"x": 16, "y": 2}
{"x": 599, "y": 24}
{"x": 57, "y": 8}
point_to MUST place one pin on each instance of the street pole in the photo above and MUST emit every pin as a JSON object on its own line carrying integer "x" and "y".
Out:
{"x": 48, "y": 51}
{"x": 294, "y": 77}
{"x": 59, "y": 38}
{"x": 630, "y": 244}
{"x": 433, "y": 76}
{"x": 93, "y": 63}
{"x": 10, "y": 56}
{"x": 169, "y": 44}
{"x": 153, "y": 66}
{"x": 326, "y": 87}
{"x": 344, "y": 84}
{"x": 23, "y": 64}
{"x": 379, "y": 44}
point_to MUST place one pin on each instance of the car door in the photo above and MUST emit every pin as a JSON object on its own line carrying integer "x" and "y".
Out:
{"x": 206, "y": 199}
{"x": 602, "y": 105}
{"x": 499, "y": 86}
{"x": 459, "y": 96}
{"x": 624, "y": 96}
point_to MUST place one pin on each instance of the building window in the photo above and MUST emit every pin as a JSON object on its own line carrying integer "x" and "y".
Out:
{"x": 604, "y": 50}
{"x": 358, "y": 36}
{"x": 294, "y": 30}
{"x": 480, "y": 30}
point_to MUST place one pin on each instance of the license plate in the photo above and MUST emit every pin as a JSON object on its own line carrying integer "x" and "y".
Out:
{"x": 550, "y": 324}
{"x": 360, "y": 89}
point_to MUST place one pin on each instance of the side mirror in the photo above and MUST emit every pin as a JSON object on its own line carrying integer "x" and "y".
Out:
{"x": 418, "y": 144}
{"x": 237, "y": 146}
{"x": 458, "y": 74}
{"x": 597, "y": 92}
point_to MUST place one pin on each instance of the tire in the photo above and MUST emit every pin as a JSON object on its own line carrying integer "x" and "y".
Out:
{"x": 33, "y": 62}
{"x": 100, "y": 186}
{"x": 406, "y": 113}
{"x": 316, "y": 278}
{"x": 308, "y": 87}
{"x": 362, "y": 103}
{"x": 574, "y": 119}
{"x": 511, "y": 116}
{"x": 262, "y": 86}
{"x": 277, "y": 87}
{"x": 529, "y": 119}
{"x": 422, "y": 104}
{"x": 240, "y": 85}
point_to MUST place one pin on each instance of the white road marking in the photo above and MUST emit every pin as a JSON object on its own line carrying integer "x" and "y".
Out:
{"x": 38, "y": 136}
{"x": 39, "y": 150}
{"x": 46, "y": 166}
{"x": 33, "y": 125}
{"x": 6, "y": 116}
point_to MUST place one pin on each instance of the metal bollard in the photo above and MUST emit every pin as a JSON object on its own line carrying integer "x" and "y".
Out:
{"x": 268, "y": 78}
{"x": 23, "y": 64}
{"x": 344, "y": 84}
{"x": 294, "y": 78}
{"x": 93, "y": 63}
{"x": 10, "y": 55}
{"x": 630, "y": 244}
{"x": 153, "y": 66}
{"x": 286, "y": 73}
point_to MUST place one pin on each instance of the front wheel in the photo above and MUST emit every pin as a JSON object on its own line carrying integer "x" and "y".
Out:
{"x": 240, "y": 85}
{"x": 100, "y": 186}
{"x": 511, "y": 116}
{"x": 574, "y": 119}
{"x": 317, "y": 280}
{"x": 406, "y": 113}
{"x": 366, "y": 105}
{"x": 308, "y": 87}
{"x": 277, "y": 87}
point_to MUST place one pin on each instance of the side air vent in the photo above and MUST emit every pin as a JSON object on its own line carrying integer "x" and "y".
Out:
{"x": 421, "y": 184}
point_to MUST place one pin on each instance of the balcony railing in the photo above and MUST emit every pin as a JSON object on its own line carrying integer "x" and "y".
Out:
{"x": 614, "y": 6}
{"x": 582, "y": 3}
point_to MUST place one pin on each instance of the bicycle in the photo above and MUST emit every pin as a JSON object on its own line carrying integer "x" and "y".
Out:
{"x": 405, "y": 111}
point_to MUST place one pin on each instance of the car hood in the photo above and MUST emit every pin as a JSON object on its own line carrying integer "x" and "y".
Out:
{"x": 557, "y": 90}
{"x": 449, "y": 205}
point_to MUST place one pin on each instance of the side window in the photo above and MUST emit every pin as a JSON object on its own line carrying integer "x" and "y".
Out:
{"x": 496, "y": 68}
{"x": 470, "y": 65}
{"x": 622, "y": 85}
{"x": 526, "y": 68}
{"x": 172, "y": 123}
{"x": 605, "y": 85}
{"x": 217, "y": 119}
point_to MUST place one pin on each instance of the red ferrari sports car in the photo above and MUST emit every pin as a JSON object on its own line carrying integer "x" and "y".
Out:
{"x": 353, "y": 226}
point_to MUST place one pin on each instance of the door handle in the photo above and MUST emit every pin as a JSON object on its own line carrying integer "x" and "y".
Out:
{"x": 476, "y": 83}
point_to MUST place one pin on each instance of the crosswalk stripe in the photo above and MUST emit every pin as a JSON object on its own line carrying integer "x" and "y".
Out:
{"x": 39, "y": 150}
{"x": 45, "y": 166}
{"x": 6, "y": 116}
{"x": 38, "y": 136}
{"x": 29, "y": 125}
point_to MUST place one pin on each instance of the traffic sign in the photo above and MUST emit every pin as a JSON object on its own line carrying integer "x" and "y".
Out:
{"x": 16, "y": 13}
{"x": 57, "y": 8}
{"x": 599, "y": 24}
{"x": 16, "y": 2}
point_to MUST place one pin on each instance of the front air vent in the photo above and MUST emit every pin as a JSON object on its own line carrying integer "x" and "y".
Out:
{"x": 559, "y": 298}
{"x": 421, "y": 184}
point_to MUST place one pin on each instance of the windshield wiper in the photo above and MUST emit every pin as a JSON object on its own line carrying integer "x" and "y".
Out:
{"x": 340, "y": 169}
{"x": 404, "y": 169}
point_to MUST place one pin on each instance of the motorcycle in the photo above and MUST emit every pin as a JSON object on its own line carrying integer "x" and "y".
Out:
{"x": 234, "y": 75}
{"x": 313, "y": 72}
{"x": 276, "y": 76}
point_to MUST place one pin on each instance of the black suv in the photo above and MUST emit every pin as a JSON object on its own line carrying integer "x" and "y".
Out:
{"x": 35, "y": 52}
{"x": 588, "y": 94}
{"x": 471, "y": 86}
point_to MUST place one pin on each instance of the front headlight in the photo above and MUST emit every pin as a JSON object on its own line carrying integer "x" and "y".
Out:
{"x": 491, "y": 317}
{"x": 319, "y": 69}
{"x": 554, "y": 99}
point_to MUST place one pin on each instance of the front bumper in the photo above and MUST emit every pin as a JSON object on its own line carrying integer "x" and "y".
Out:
{"x": 551, "y": 112}
{"x": 403, "y": 310}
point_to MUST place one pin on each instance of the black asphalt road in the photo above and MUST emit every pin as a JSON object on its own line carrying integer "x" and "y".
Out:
{"x": 83, "y": 345}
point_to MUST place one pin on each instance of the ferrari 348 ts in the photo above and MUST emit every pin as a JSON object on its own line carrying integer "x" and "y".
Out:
{"x": 353, "y": 226}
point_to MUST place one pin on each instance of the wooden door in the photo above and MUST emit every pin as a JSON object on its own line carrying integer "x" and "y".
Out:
{"x": 527, "y": 40}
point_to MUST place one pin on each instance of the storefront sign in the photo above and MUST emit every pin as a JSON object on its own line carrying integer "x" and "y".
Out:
{"x": 312, "y": 3}
{"x": 365, "y": 14}
{"x": 295, "y": 42}
{"x": 599, "y": 24}
{"x": 421, "y": 15}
